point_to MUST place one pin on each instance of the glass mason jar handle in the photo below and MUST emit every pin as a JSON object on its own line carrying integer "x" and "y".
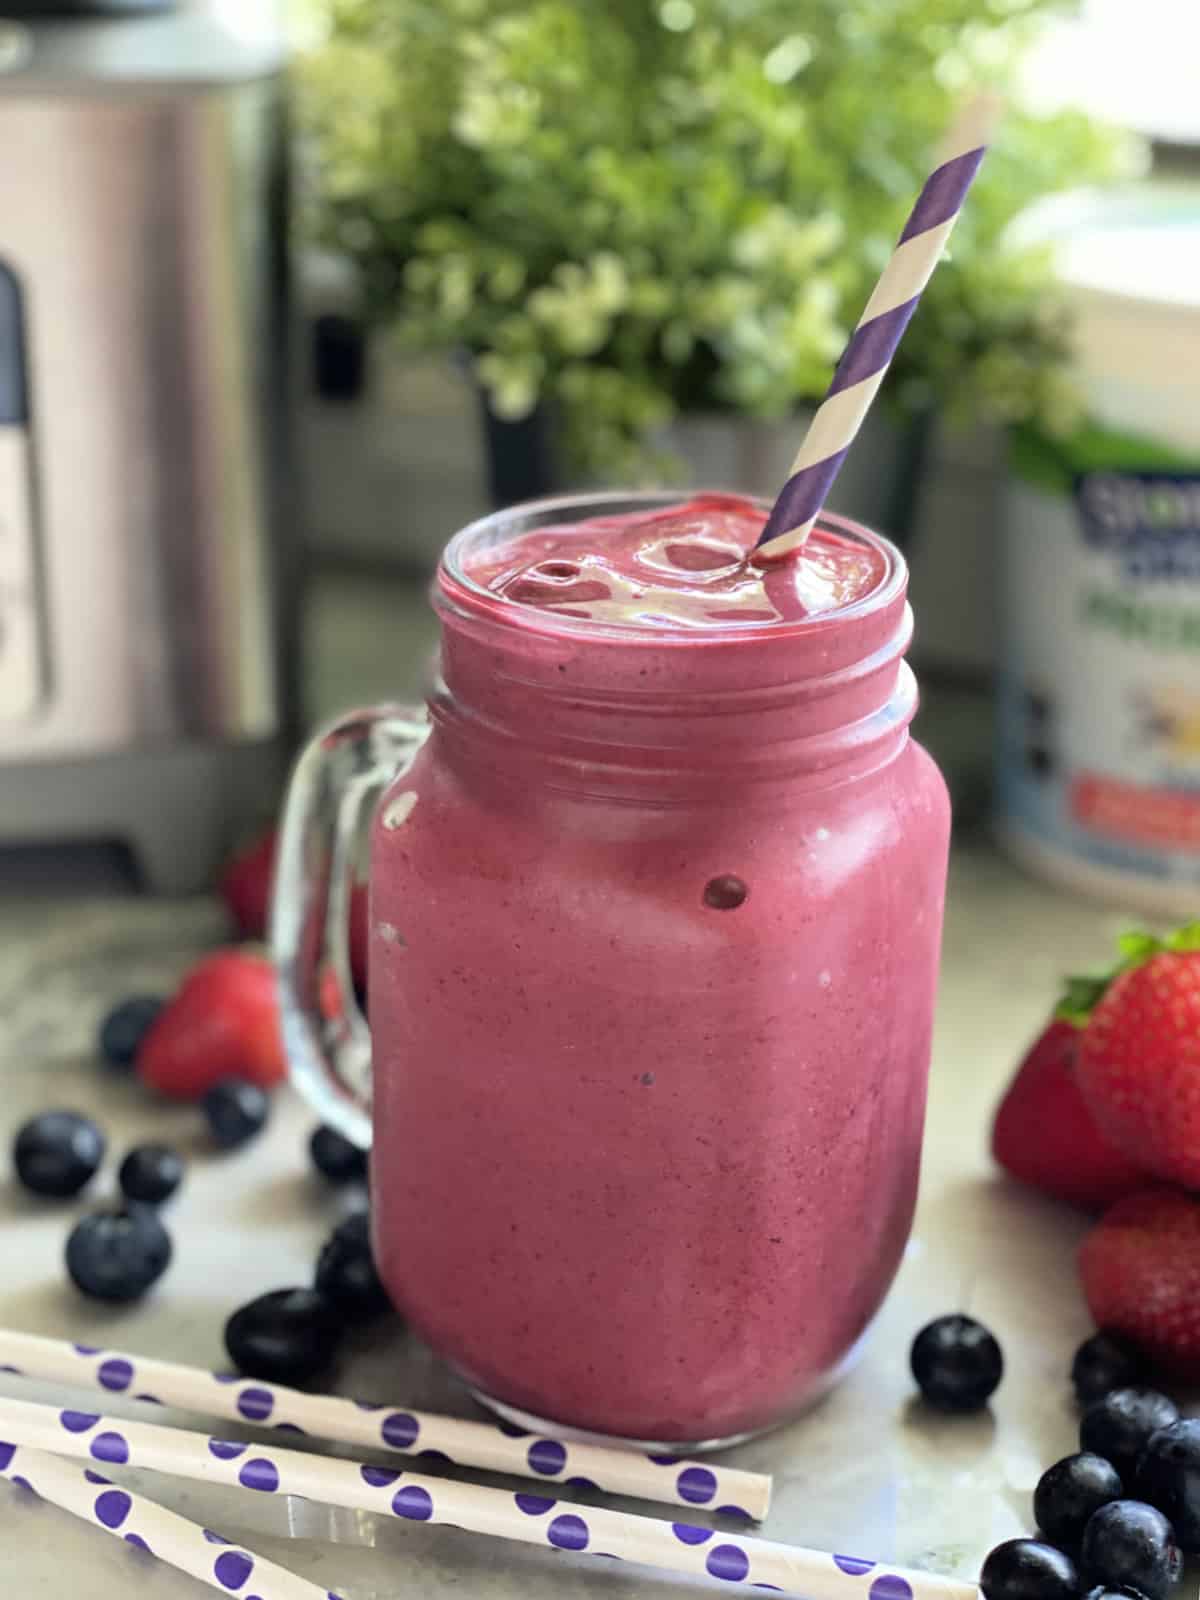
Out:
{"x": 342, "y": 772}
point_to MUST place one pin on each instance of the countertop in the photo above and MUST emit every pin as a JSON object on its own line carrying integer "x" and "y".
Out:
{"x": 867, "y": 1472}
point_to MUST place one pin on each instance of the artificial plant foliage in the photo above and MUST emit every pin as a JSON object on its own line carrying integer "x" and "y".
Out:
{"x": 636, "y": 208}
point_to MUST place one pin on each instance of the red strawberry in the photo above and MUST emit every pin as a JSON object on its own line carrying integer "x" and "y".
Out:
{"x": 223, "y": 1022}
{"x": 1139, "y": 1057}
{"x": 329, "y": 996}
{"x": 245, "y": 885}
{"x": 358, "y": 936}
{"x": 1140, "y": 1267}
{"x": 1045, "y": 1136}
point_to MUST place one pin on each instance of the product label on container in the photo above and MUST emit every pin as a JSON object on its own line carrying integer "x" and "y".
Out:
{"x": 1100, "y": 676}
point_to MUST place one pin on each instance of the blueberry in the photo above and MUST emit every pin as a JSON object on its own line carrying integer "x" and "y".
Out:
{"x": 124, "y": 1028}
{"x": 1119, "y": 1426}
{"x": 1027, "y": 1569}
{"x": 117, "y": 1255}
{"x": 1105, "y": 1362}
{"x": 346, "y": 1272}
{"x": 957, "y": 1363}
{"x": 57, "y": 1152}
{"x": 150, "y": 1173}
{"x": 1168, "y": 1476}
{"x": 288, "y": 1336}
{"x": 1130, "y": 1545}
{"x": 1069, "y": 1493}
{"x": 236, "y": 1111}
{"x": 336, "y": 1157}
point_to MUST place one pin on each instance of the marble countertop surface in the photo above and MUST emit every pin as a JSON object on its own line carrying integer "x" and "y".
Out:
{"x": 868, "y": 1472}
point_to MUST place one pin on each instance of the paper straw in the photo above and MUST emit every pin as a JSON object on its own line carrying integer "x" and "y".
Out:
{"x": 873, "y": 343}
{"x": 231, "y": 1568}
{"x": 469, "y": 1444}
{"x": 529, "y": 1518}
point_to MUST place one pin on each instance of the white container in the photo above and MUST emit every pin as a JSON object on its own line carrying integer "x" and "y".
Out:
{"x": 1099, "y": 702}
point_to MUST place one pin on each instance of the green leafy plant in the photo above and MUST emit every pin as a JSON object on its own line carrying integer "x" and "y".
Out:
{"x": 633, "y": 208}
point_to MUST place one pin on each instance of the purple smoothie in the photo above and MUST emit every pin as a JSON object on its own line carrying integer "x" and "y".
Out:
{"x": 655, "y": 929}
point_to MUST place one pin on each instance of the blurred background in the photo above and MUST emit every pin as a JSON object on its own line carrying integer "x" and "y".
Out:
{"x": 288, "y": 293}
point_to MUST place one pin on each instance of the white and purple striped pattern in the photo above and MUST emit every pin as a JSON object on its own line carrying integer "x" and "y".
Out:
{"x": 873, "y": 343}
{"x": 528, "y": 1518}
{"x": 151, "y": 1529}
{"x": 489, "y": 1446}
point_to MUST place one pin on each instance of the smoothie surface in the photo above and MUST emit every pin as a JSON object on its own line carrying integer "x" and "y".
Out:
{"x": 683, "y": 566}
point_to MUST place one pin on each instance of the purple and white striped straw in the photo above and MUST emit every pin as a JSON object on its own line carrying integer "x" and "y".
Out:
{"x": 873, "y": 343}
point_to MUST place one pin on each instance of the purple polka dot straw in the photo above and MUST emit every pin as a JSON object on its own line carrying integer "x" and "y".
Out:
{"x": 491, "y": 1447}
{"x": 538, "y": 1519}
{"x": 873, "y": 343}
{"x": 153, "y": 1530}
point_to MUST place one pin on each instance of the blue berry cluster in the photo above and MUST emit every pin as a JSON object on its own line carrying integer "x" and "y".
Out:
{"x": 1116, "y": 1518}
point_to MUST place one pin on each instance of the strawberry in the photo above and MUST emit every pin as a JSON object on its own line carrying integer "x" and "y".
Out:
{"x": 1139, "y": 1056}
{"x": 329, "y": 996}
{"x": 222, "y": 1022}
{"x": 1140, "y": 1267}
{"x": 245, "y": 885}
{"x": 358, "y": 936}
{"x": 1045, "y": 1136}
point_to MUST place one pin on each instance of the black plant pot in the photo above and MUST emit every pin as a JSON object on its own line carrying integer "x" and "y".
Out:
{"x": 522, "y": 458}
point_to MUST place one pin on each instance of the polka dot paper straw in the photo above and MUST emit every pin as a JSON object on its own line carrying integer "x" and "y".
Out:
{"x": 469, "y": 1444}
{"x": 873, "y": 343}
{"x": 530, "y": 1518}
{"x": 147, "y": 1527}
